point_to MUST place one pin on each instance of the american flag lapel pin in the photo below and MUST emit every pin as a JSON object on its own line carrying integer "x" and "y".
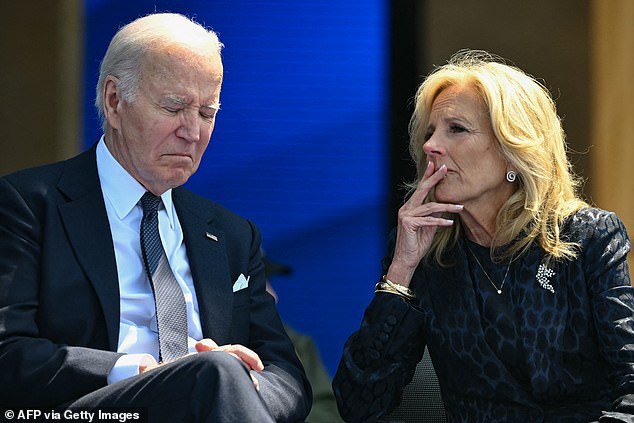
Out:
{"x": 211, "y": 236}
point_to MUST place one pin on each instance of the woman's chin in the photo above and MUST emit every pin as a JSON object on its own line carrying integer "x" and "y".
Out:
{"x": 443, "y": 196}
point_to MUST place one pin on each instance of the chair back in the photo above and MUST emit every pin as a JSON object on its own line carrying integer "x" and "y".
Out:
{"x": 421, "y": 401}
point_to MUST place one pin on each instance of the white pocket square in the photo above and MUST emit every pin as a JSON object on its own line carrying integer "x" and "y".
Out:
{"x": 241, "y": 283}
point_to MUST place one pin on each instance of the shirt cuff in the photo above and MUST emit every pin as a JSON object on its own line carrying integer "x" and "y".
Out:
{"x": 127, "y": 366}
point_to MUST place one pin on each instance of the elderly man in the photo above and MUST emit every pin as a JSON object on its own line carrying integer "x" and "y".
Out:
{"x": 118, "y": 287}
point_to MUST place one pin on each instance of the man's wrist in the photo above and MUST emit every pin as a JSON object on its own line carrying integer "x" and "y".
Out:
{"x": 147, "y": 362}
{"x": 128, "y": 365}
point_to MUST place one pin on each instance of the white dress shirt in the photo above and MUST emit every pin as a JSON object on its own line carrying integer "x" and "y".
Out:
{"x": 138, "y": 334}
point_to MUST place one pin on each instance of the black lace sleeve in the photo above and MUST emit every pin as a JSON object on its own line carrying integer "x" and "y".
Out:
{"x": 379, "y": 359}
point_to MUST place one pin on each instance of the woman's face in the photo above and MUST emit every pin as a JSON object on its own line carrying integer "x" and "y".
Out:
{"x": 460, "y": 136}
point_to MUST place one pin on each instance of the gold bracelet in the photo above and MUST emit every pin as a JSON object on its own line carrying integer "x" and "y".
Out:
{"x": 383, "y": 287}
{"x": 385, "y": 291}
{"x": 403, "y": 289}
{"x": 387, "y": 286}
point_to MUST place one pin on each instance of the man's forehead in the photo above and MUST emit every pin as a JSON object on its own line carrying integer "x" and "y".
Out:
{"x": 186, "y": 101}
{"x": 181, "y": 84}
{"x": 175, "y": 54}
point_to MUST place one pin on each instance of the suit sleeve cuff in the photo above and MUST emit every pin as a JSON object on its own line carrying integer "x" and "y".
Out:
{"x": 127, "y": 366}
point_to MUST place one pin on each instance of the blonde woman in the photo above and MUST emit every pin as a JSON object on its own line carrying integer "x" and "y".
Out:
{"x": 518, "y": 288}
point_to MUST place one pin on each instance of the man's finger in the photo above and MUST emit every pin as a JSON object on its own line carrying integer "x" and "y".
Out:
{"x": 248, "y": 356}
{"x": 206, "y": 344}
{"x": 255, "y": 381}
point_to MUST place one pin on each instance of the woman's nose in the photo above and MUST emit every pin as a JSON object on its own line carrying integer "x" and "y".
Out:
{"x": 433, "y": 146}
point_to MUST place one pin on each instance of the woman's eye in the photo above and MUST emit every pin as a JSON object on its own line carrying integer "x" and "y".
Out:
{"x": 428, "y": 135}
{"x": 457, "y": 129}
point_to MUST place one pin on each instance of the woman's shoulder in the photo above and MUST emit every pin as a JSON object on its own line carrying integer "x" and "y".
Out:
{"x": 593, "y": 220}
{"x": 592, "y": 225}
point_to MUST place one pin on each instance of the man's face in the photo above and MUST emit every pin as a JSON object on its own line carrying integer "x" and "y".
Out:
{"x": 160, "y": 137}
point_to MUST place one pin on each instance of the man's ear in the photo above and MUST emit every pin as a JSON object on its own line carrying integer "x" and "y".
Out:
{"x": 111, "y": 101}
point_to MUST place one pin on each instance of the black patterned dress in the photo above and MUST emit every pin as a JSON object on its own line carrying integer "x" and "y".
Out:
{"x": 557, "y": 345}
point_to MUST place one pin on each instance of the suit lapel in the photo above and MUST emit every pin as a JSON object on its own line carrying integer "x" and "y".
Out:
{"x": 86, "y": 223}
{"x": 207, "y": 254}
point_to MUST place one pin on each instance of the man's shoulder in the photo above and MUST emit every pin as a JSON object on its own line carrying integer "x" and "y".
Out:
{"x": 206, "y": 208}
{"x": 53, "y": 169}
{"x": 37, "y": 177}
{"x": 196, "y": 212}
{"x": 35, "y": 174}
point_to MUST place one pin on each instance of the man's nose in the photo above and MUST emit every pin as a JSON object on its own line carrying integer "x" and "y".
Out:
{"x": 189, "y": 128}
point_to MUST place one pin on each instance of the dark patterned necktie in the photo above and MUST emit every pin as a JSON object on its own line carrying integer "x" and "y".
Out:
{"x": 171, "y": 310}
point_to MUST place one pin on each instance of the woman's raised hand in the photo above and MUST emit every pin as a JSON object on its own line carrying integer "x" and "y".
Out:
{"x": 417, "y": 225}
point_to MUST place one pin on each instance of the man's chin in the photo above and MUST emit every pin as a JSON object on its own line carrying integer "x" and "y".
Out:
{"x": 175, "y": 179}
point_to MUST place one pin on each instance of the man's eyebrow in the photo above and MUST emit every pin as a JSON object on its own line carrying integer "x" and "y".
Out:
{"x": 177, "y": 100}
{"x": 182, "y": 101}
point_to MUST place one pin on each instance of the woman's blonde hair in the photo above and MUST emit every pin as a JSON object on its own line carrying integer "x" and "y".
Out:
{"x": 531, "y": 139}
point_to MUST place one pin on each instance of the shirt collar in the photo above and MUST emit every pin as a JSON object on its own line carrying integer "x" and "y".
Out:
{"x": 121, "y": 189}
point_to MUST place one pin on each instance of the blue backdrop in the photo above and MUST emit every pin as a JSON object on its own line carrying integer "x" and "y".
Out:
{"x": 300, "y": 145}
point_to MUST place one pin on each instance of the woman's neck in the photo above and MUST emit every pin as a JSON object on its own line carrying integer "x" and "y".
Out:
{"x": 479, "y": 227}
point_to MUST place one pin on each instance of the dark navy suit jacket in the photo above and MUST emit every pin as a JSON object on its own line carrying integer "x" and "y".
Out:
{"x": 59, "y": 293}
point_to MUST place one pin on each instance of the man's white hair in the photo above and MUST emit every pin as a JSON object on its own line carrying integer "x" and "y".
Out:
{"x": 128, "y": 47}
